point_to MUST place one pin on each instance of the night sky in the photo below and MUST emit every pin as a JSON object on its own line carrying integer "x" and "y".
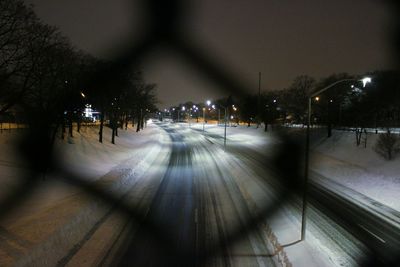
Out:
{"x": 280, "y": 38}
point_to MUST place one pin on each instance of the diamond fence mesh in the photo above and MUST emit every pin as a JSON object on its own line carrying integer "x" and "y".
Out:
{"x": 164, "y": 30}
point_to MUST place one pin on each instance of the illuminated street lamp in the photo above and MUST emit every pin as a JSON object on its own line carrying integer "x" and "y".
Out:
{"x": 183, "y": 109}
{"x": 190, "y": 116}
{"x": 365, "y": 81}
{"x": 208, "y": 102}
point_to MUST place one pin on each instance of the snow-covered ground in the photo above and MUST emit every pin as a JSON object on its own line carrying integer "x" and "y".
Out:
{"x": 358, "y": 168}
{"x": 84, "y": 155}
{"x": 57, "y": 214}
{"x": 336, "y": 158}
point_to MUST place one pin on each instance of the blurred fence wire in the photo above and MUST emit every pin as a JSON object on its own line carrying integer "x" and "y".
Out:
{"x": 164, "y": 30}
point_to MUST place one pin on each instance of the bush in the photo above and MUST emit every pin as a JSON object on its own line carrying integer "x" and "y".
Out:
{"x": 388, "y": 145}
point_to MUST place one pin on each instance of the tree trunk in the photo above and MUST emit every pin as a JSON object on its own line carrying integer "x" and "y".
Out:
{"x": 113, "y": 136}
{"x": 126, "y": 122}
{"x": 70, "y": 126}
{"x": 365, "y": 139}
{"x": 138, "y": 124}
{"x": 79, "y": 123}
{"x": 358, "y": 136}
{"x": 101, "y": 126}
{"x": 63, "y": 128}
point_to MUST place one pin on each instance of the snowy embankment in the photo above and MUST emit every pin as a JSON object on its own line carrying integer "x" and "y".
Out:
{"x": 282, "y": 228}
{"x": 359, "y": 168}
{"x": 337, "y": 158}
{"x": 66, "y": 213}
{"x": 342, "y": 167}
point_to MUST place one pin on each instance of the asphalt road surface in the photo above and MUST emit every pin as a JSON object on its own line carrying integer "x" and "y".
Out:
{"x": 197, "y": 204}
{"x": 199, "y": 196}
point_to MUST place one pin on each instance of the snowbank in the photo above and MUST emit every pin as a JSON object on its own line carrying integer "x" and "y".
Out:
{"x": 65, "y": 214}
{"x": 359, "y": 168}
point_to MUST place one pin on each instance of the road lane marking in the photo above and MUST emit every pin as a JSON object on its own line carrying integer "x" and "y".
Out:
{"x": 377, "y": 237}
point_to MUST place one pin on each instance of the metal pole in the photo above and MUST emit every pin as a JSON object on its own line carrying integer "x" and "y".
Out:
{"x": 218, "y": 116}
{"x": 204, "y": 117}
{"x": 225, "y": 130}
{"x": 190, "y": 115}
{"x": 307, "y": 155}
{"x": 259, "y": 100}
{"x": 306, "y": 169}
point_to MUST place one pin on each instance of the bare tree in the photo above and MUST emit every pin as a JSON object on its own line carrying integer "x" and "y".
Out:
{"x": 294, "y": 99}
{"x": 388, "y": 145}
{"x": 16, "y": 24}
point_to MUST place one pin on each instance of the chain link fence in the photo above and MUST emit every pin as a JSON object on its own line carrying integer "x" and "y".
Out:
{"x": 164, "y": 30}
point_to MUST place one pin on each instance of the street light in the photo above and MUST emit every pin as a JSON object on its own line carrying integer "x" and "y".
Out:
{"x": 226, "y": 118}
{"x": 208, "y": 102}
{"x": 204, "y": 117}
{"x": 183, "y": 109}
{"x": 365, "y": 81}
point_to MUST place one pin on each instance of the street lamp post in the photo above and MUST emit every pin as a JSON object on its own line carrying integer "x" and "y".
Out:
{"x": 183, "y": 109}
{"x": 307, "y": 154}
{"x": 190, "y": 115}
{"x": 226, "y": 117}
{"x": 208, "y": 102}
{"x": 204, "y": 117}
{"x": 195, "y": 111}
{"x": 225, "y": 120}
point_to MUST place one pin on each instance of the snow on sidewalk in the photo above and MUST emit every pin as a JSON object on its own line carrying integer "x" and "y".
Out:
{"x": 48, "y": 218}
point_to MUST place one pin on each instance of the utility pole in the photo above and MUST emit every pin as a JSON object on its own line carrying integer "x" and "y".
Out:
{"x": 259, "y": 100}
{"x": 204, "y": 117}
{"x": 190, "y": 115}
{"x": 365, "y": 80}
{"x": 226, "y": 119}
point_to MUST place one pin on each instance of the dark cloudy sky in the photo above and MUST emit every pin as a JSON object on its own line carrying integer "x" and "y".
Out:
{"x": 280, "y": 38}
